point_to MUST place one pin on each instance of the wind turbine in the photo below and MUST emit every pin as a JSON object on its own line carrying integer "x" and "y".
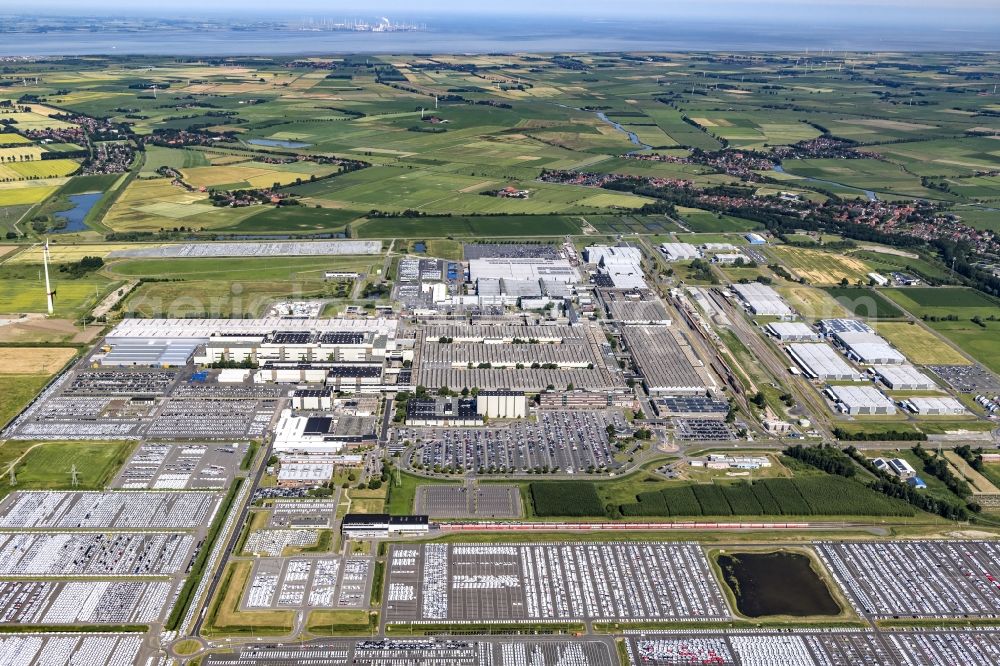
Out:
{"x": 50, "y": 294}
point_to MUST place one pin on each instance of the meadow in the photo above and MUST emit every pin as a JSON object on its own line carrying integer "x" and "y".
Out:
{"x": 920, "y": 345}
{"x": 864, "y": 302}
{"x": 943, "y": 301}
{"x": 818, "y": 267}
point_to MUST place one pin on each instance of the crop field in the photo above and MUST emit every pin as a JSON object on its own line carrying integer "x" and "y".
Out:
{"x": 754, "y": 130}
{"x": 881, "y": 177}
{"x": 150, "y": 205}
{"x": 819, "y": 267}
{"x": 23, "y": 193}
{"x": 920, "y": 345}
{"x": 703, "y": 221}
{"x": 812, "y": 302}
{"x": 864, "y": 302}
{"x": 480, "y": 227}
{"x": 939, "y": 301}
{"x": 565, "y": 498}
{"x": 34, "y": 360}
{"x": 805, "y": 496}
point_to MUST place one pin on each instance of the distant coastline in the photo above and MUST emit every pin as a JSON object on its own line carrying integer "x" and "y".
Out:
{"x": 490, "y": 37}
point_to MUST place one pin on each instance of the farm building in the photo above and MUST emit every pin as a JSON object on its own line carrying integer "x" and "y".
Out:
{"x": 680, "y": 251}
{"x": 878, "y": 279}
{"x": 818, "y": 360}
{"x": 860, "y": 400}
{"x": 934, "y": 406}
{"x": 792, "y": 332}
{"x": 895, "y": 466}
{"x": 762, "y": 300}
{"x": 903, "y": 378}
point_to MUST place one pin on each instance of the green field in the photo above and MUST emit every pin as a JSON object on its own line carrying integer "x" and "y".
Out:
{"x": 47, "y": 465}
{"x": 942, "y": 301}
{"x": 17, "y": 392}
{"x": 864, "y": 302}
{"x": 981, "y": 343}
{"x": 565, "y": 498}
{"x": 481, "y": 227}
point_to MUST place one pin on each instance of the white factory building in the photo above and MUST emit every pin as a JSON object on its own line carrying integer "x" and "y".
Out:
{"x": 935, "y": 406}
{"x": 680, "y": 251}
{"x": 502, "y": 404}
{"x": 762, "y": 300}
{"x": 312, "y": 399}
{"x": 522, "y": 268}
{"x": 869, "y": 348}
{"x": 860, "y": 400}
{"x": 818, "y": 360}
{"x": 903, "y": 378}
{"x": 606, "y": 255}
{"x": 792, "y": 331}
{"x": 895, "y": 466}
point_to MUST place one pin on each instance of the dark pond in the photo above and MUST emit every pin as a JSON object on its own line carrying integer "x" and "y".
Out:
{"x": 82, "y": 203}
{"x": 778, "y": 583}
{"x": 278, "y": 143}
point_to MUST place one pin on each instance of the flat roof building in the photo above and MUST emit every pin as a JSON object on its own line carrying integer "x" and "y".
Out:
{"x": 792, "y": 331}
{"x": 368, "y": 525}
{"x": 522, "y": 268}
{"x": 448, "y": 411}
{"x": 863, "y": 400}
{"x": 831, "y": 326}
{"x": 868, "y": 348}
{"x": 935, "y": 406}
{"x": 680, "y": 251}
{"x": 762, "y": 300}
{"x": 818, "y": 360}
{"x": 606, "y": 255}
{"x": 903, "y": 378}
{"x": 666, "y": 361}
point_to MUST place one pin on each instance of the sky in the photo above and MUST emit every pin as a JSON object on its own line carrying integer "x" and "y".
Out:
{"x": 575, "y": 7}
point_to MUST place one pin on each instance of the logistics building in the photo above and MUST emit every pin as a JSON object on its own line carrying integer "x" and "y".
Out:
{"x": 762, "y": 300}
{"x": 935, "y": 406}
{"x": 903, "y": 378}
{"x": 818, "y": 360}
{"x": 792, "y": 331}
{"x": 862, "y": 400}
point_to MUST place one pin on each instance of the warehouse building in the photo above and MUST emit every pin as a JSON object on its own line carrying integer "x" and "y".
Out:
{"x": 869, "y": 349}
{"x": 606, "y": 256}
{"x": 935, "y": 406}
{"x": 831, "y": 326}
{"x": 666, "y": 361}
{"x": 156, "y": 352}
{"x": 680, "y": 252}
{"x": 818, "y": 360}
{"x": 862, "y": 400}
{"x": 579, "y": 399}
{"x": 376, "y": 525}
{"x": 762, "y": 300}
{"x": 321, "y": 434}
{"x": 903, "y": 378}
{"x": 304, "y": 475}
{"x": 792, "y": 331}
{"x": 522, "y": 268}
{"x": 312, "y": 399}
{"x": 448, "y": 411}
{"x": 651, "y": 312}
{"x": 755, "y": 239}
{"x": 502, "y": 404}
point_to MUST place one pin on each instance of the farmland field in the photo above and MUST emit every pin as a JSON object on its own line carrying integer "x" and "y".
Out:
{"x": 941, "y": 301}
{"x": 18, "y": 391}
{"x": 482, "y": 227}
{"x": 864, "y": 302}
{"x": 819, "y": 267}
{"x": 812, "y": 302}
{"x": 566, "y": 498}
{"x": 920, "y": 345}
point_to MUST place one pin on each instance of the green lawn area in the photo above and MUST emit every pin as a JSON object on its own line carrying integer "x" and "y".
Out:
{"x": 983, "y": 344}
{"x": 402, "y": 496}
{"x": 16, "y": 391}
{"x": 46, "y": 465}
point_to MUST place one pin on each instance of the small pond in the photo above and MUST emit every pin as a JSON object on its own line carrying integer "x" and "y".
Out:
{"x": 75, "y": 216}
{"x": 278, "y": 143}
{"x": 779, "y": 583}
